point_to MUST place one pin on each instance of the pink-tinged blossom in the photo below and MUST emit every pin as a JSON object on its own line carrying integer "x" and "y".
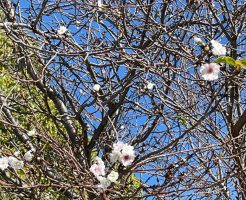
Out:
{"x": 210, "y": 71}
{"x": 127, "y": 155}
{"x": 217, "y": 48}
{"x": 123, "y": 153}
{"x": 98, "y": 168}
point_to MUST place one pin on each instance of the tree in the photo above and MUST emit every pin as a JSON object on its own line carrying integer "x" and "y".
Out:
{"x": 123, "y": 99}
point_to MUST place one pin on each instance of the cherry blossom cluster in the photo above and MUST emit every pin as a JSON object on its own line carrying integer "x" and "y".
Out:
{"x": 210, "y": 71}
{"x": 98, "y": 169}
{"x": 121, "y": 152}
{"x": 13, "y": 162}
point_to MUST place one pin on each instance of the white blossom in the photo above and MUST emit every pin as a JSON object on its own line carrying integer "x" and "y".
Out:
{"x": 15, "y": 163}
{"x": 99, "y": 161}
{"x": 77, "y": 23}
{"x": 96, "y": 87}
{"x": 113, "y": 176}
{"x": 16, "y": 153}
{"x": 217, "y": 48}
{"x": 127, "y": 155}
{"x": 28, "y": 156}
{"x": 61, "y": 30}
{"x": 118, "y": 146}
{"x": 32, "y": 132}
{"x": 150, "y": 86}
{"x": 98, "y": 168}
{"x": 210, "y": 71}
{"x": 115, "y": 155}
{"x": 198, "y": 40}
{"x": 4, "y": 163}
{"x": 123, "y": 153}
{"x": 99, "y": 3}
{"x": 104, "y": 182}
{"x": 122, "y": 127}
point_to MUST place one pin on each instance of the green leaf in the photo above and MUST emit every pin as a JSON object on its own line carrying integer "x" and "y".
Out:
{"x": 135, "y": 181}
{"x": 94, "y": 153}
{"x": 226, "y": 59}
{"x": 241, "y": 63}
{"x": 183, "y": 120}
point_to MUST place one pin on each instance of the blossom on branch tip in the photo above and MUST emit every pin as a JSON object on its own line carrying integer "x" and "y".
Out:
{"x": 123, "y": 153}
{"x": 118, "y": 146}
{"x": 28, "y": 156}
{"x": 150, "y": 86}
{"x": 99, "y": 3}
{"x": 96, "y": 87}
{"x": 98, "y": 168}
{"x": 16, "y": 153}
{"x": 104, "y": 182}
{"x": 99, "y": 161}
{"x": 122, "y": 127}
{"x": 115, "y": 155}
{"x": 217, "y": 48}
{"x": 210, "y": 71}
{"x": 4, "y": 163}
{"x": 32, "y": 132}
{"x": 127, "y": 155}
{"x": 61, "y": 30}
{"x": 198, "y": 40}
{"x": 15, "y": 163}
{"x": 113, "y": 176}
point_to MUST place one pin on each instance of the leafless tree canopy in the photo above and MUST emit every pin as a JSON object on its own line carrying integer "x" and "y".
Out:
{"x": 188, "y": 133}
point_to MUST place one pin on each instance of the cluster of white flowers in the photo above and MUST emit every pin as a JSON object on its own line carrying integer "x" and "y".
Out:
{"x": 210, "y": 71}
{"x": 98, "y": 169}
{"x": 15, "y": 163}
{"x": 11, "y": 161}
{"x": 123, "y": 153}
{"x": 217, "y": 48}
